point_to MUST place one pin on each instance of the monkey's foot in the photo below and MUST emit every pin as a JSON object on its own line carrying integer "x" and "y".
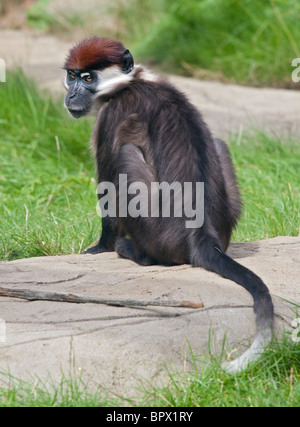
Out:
{"x": 125, "y": 249}
{"x": 97, "y": 249}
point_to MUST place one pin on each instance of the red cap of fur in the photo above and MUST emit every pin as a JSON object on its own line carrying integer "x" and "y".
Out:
{"x": 95, "y": 53}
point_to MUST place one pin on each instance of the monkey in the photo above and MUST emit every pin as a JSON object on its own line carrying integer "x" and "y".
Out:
{"x": 148, "y": 130}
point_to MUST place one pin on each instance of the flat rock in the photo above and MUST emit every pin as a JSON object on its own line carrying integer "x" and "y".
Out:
{"x": 117, "y": 347}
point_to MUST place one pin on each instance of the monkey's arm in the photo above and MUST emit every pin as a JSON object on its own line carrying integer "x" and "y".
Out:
{"x": 107, "y": 239}
{"x": 131, "y": 143}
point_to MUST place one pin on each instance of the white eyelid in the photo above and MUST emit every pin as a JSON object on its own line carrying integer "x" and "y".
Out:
{"x": 82, "y": 75}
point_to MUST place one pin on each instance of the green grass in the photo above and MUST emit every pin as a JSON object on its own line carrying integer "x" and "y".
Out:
{"x": 71, "y": 391}
{"x": 245, "y": 41}
{"x": 268, "y": 171}
{"x": 48, "y": 188}
{"x": 37, "y": 15}
{"x": 249, "y": 41}
{"x": 273, "y": 381}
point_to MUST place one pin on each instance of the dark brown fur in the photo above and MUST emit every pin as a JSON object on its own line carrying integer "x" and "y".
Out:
{"x": 168, "y": 131}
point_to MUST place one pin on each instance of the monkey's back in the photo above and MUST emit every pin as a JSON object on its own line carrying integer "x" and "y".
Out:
{"x": 179, "y": 148}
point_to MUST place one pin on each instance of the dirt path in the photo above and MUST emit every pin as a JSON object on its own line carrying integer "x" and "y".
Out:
{"x": 226, "y": 108}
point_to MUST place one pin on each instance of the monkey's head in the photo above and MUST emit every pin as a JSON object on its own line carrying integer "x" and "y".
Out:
{"x": 95, "y": 67}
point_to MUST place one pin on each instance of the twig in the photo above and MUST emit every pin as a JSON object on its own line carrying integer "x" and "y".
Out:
{"x": 34, "y": 295}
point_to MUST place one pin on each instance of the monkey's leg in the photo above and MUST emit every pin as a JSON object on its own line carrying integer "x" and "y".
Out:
{"x": 107, "y": 239}
{"x": 125, "y": 249}
{"x": 132, "y": 163}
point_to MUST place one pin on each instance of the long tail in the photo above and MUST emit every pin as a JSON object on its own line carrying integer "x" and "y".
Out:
{"x": 214, "y": 259}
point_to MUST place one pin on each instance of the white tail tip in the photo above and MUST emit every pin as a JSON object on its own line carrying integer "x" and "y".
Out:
{"x": 250, "y": 355}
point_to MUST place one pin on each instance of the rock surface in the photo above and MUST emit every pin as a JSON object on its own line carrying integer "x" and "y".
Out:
{"x": 117, "y": 347}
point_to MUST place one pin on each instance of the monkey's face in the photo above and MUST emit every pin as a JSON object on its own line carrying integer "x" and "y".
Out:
{"x": 95, "y": 67}
{"x": 82, "y": 88}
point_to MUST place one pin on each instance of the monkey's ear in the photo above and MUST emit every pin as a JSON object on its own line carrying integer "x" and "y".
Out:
{"x": 128, "y": 62}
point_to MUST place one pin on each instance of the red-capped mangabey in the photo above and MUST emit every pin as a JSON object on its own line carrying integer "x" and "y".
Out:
{"x": 148, "y": 131}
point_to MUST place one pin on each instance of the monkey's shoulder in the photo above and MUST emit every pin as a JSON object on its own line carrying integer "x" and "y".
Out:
{"x": 152, "y": 98}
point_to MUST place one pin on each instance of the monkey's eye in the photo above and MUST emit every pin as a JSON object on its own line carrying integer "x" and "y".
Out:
{"x": 88, "y": 78}
{"x": 71, "y": 75}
